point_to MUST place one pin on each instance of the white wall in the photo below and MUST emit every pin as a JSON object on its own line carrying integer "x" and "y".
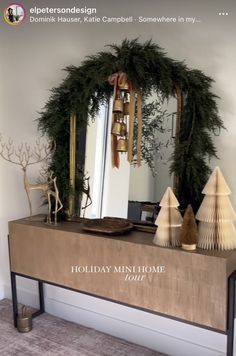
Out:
{"x": 32, "y": 57}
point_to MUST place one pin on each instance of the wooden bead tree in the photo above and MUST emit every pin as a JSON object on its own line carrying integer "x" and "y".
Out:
{"x": 169, "y": 221}
{"x": 216, "y": 215}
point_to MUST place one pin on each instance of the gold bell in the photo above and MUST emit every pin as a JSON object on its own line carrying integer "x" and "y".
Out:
{"x": 124, "y": 86}
{"x": 118, "y": 105}
{"x": 126, "y": 108}
{"x": 122, "y": 145}
{"x": 24, "y": 321}
{"x": 123, "y": 129}
{"x": 116, "y": 128}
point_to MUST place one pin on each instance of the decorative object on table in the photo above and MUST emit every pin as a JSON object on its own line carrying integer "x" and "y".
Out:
{"x": 24, "y": 321}
{"x": 149, "y": 69}
{"x": 109, "y": 226}
{"x": 169, "y": 221}
{"x": 54, "y": 193}
{"x": 24, "y": 157}
{"x": 72, "y": 166}
{"x": 189, "y": 232}
{"x": 144, "y": 226}
{"x": 126, "y": 98}
{"x": 86, "y": 191}
{"x": 216, "y": 215}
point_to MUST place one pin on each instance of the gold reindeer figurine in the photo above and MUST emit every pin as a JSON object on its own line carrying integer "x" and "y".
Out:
{"x": 55, "y": 194}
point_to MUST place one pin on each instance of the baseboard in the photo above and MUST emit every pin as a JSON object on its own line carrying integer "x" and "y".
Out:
{"x": 24, "y": 296}
{"x": 158, "y": 333}
{"x": 2, "y": 291}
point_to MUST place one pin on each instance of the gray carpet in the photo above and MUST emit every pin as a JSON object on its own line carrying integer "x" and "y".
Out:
{"x": 55, "y": 336}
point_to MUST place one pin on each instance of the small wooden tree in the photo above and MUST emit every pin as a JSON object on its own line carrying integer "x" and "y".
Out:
{"x": 188, "y": 232}
{"x": 216, "y": 215}
{"x": 169, "y": 221}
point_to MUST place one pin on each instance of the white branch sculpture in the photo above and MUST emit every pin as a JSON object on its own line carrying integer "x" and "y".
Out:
{"x": 24, "y": 156}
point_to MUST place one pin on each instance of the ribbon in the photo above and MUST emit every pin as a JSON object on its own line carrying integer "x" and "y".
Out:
{"x": 117, "y": 80}
{"x": 140, "y": 122}
{"x": 131, "y": 124}
{"x": 115, "y": 158}
{"x": 133, "y": 98}
{"x": 113, "y": 80}
{"x": 179, "y": 96}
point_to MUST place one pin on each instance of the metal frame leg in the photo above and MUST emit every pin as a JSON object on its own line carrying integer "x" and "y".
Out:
{"x": 41, "y": 297}
{"x": 15, "y": 302}
{"x": 41, "y": 301}
{"x": 230, "y": 316}
{"x": 14, "y": 298}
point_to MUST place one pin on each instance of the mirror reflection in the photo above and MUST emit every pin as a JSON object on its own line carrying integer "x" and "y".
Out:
{"x": 148, "y": 182}
{"x": 143, "y": 186}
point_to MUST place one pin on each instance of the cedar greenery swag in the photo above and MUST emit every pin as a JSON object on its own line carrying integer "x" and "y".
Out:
{"x": 86, "y": 88}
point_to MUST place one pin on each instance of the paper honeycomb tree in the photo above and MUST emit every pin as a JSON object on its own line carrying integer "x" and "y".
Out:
{"x": 169, "y": 221}
{"x": 216, "y": 215}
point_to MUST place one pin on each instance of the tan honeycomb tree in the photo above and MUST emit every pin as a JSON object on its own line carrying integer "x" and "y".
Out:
{"x": 169, "y": 221}
{"x": 216, "y": 215}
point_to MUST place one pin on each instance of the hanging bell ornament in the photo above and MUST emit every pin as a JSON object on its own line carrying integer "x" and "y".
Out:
{"x": 116, "y": 127}
{"x": 118, "y": 103}
{"x": 123, "y": 129}
{"x": 122, "y": 145}
{"x": 126, "y": 108}
{"x": 124, "y": 86}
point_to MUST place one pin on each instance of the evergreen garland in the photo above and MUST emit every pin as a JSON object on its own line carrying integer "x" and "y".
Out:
{"x": 86, "y": 87}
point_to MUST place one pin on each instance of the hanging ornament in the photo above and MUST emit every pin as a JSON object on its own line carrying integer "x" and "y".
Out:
{"x": 126, "y": 104}
{"x": 122, "y": 145}
{"x": 126, "y": 108}
{"x": 118, "y": 103}
{"x": 132, "y": 99}
{"x": 116, "y": 126}
{"x": 124, "y": 84}
{"x": 123, "y": 128}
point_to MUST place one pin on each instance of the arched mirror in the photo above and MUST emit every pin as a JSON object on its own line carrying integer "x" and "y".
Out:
{"x": 86, "y": 92}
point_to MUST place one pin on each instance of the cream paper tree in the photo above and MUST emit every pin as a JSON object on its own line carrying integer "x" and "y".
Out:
{"x": 216, "y": 215}
{"x": 169, "y": 221}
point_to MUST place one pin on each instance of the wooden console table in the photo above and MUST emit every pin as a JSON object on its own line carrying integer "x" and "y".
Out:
{"x": 194, "y": 287}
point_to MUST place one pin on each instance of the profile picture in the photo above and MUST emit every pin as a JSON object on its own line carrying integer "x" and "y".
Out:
{"x": 14, "y": 14}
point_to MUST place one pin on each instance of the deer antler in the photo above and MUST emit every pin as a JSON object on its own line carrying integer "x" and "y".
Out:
{"x": 7, "y": 151}
{"x": 24, "y": 154}
{"x": 42, "y": 152}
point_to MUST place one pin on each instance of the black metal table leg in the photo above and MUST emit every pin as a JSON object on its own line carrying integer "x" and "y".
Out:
{"x": 41, "y": 301}
{"x": 41, "y": 297}
{"x": 15, "y": 302}
{"x": 230, "y": 316}
{"x": 14, "y": 298}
